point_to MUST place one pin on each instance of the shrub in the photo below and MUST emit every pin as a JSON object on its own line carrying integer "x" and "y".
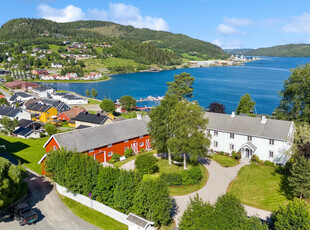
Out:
{"x": 146, "y": 164}
{"x": 186, "y": 177}
{"x": 172, "y": 179}
{"x": 238, "y": 155}
{"x": 111, "y": 161}
{"x": 222, "y": 153}
{"x": 142, "y": 150}
{"x": 226, "y": 154}
{"x": 233, "y": 154}
{"x": 254, "y": 159}
{"x": 116, "y": 157}
{"x": 270, "y": 164}
{"x": 128, "y": 153}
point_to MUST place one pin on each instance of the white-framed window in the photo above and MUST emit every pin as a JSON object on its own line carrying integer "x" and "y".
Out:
{"x": 125, "y": 141}
{"x": 232, "y": 136}
{"x": 109, "y": 145}
{"x": 231, "y": 146}
{"x": 110, "y": 153}
{"x": 55, "y": 148}
{"x": 126, "y": 148}
{"x": 271, "y": 141}
{"x": 216, "y": 133}
{"x": 249, "y": 138}
{"x": 215, "y": 143}
{"x": 141, "y": 144}
{"x": 270, "y": 153}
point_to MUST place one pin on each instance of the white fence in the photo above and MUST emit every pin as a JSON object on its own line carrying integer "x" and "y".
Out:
{"x": 121, "y": 217}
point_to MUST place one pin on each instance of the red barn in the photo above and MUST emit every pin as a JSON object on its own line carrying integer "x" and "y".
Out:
{"x": 102, "y": 142}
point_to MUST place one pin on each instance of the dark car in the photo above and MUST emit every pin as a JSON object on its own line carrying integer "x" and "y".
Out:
{"x": 24, "y": 214}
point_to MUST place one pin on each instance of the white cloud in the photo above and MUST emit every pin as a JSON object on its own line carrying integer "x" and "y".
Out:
{"x": 299, "y": 24}
{"x": 237, "y": 21}
{"x": 217, "y": 42}
{"x": 117, "y": 12}
{"x": 227, "y": 29}
{"x": 68, "y": 14}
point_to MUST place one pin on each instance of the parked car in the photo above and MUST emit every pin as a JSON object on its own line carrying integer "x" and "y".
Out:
{"x": 24, "y": 214}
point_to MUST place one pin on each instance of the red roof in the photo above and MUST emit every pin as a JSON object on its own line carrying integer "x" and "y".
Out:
{"x": 2, "y": 96}
{"x": 20, "y": 84}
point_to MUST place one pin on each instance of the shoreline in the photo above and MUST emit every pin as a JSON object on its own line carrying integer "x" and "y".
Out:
{"x": 71, "y": 81}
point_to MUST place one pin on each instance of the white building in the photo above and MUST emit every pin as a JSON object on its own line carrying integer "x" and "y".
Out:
{"x": 269, "y": 139}
{"x": 14, "y": 113}
{"x": 56, "y": 65}
{"x": 43, "y": 91}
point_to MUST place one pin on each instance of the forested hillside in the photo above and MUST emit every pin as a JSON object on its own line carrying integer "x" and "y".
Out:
{"x": 290, "y": 50}
{"x": 95, "y": 31}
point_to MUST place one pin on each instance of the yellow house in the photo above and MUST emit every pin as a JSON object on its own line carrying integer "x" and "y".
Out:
{"x": 41, "y": 112}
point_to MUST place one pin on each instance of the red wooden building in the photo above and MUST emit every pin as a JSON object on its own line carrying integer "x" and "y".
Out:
{"x": 103, "y": 141}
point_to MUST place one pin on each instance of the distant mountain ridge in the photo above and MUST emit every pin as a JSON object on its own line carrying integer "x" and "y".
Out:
{"x": 182, "y": 45}
{"x": 237, "y": 51}
{"x": 290, "y": 50}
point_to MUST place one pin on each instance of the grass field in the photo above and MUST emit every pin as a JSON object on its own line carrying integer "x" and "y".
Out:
{"x": 92, "y": 216}
{"x": 192, "y": 58}
{"x": 54, "y": 47}
{"x": 258, "y": 186}
{"x": 120, "y": 163}
{"x": 225, "y": 161}
{"x": 92, "y": 101}
{"x": 118, "y": 61}
{"x": 28, "y": 151}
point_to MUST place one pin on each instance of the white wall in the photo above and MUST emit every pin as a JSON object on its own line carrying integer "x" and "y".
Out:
{"x": 279, "y": 148}
{"x": 23, "y": 115}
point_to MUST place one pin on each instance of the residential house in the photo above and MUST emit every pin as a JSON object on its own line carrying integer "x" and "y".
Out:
{"x": 91, "y": 120}
{"x": 24, "y": 85}
{"x": 26, "y": 133}
{"x": 103, "y": 141}
{"x": 56, "y": 65}
{"x": 29, "y": 124}
{"x": 70, "y": 114}
{"x": 70, "y": 99}
{"x": 43, "y": 91}
{"x": 92, "y": 76}
{"x": 14, "y": 113}
{"x": 59, "y": 105}
{"x": 269, "y": 139}
{"x": 39, "y": 72}
{"x": 42, "y": 112}
{"x": 20, "y": 97}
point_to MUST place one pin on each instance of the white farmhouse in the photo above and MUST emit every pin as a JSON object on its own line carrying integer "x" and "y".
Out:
{"x": 269, "y": 139}
{"x": 56, "y": 65}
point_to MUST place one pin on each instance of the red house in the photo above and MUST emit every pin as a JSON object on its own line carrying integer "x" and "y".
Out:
{"x": 102, "y": 142}
{"x": 70, "y": 114}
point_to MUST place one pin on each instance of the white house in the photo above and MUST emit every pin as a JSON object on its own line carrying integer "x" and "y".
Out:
{"x": 14, "y": 113}
{"x": 20, "y": 96}
{"x": 56, "y": 65}
{"x": 269, "y": 139}
{"x": 43, "y": 91}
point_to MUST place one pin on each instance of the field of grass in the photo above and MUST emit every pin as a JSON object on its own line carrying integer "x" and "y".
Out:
{"x": 192, "y": 58}
{"x": 225, "y": 161}
{"x": 54, "y": 47}
{"x": 118, "y": 61}
{"x": 92, "y": 216}
{"x": 258, "y": 186}
{"x": 28, "y": 151}
{"x": 92, "y": 101}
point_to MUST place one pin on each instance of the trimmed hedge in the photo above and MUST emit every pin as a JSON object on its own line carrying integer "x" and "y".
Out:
{"x": 146, "y": 164}
{"x": 186, "y": 177}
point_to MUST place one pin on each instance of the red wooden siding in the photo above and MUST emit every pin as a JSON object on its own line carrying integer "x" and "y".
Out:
{"x": 63, "y": 117}
{"x": 51, "y": 146}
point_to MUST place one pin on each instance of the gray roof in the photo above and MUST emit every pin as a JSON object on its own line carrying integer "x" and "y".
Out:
{"x": 22, "y": 94}
{"x": 94, "y": 137}
{"x": 138, "y": 220}
{"x": 91, "y": 118}
{"x": 9, "y": 111}
{"x": 251, "y": 126}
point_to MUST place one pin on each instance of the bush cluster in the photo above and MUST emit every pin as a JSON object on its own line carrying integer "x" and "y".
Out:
{"x": 128, "y": 153}
{"x": 254, "y": 159}
{"x": 146, "y": 164}
{"x": 186, "y": 177}
{"x": 119, "y": 189}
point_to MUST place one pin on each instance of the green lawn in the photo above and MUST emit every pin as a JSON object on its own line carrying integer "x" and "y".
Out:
{"x": 118, "y": 61}
{"x": 193, "y": 58}
{"x": 92, "y": 216}
{"x": 120, "y": 163}
{"x": 54, "y": 47}
{"x": 258, "y": 186}
{"x": 92, "y": 101}
{"x": 28, "y": 151}
{"x": 225, "y": 161}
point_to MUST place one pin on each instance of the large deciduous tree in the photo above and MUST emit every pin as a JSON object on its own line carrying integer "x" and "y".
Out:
{"x": 87, "y": 93}
{"x": 182, "y": 86}
{"x": 295, "y": 96}
{"x": 216, "y": 107}
{"x": 188, "y": 125}
{"x": 50, "y": 128}
{"x": 94, "y": 93}
{"x": 159, "y": 126}
{"x": 8, "y": 124}
{"x": 127, "y": 102}
{"x": 153, "y": 201}
{"x": 295, "y": 215}
{"x": 107, "y": 105}
{"x": 246, "y": 104}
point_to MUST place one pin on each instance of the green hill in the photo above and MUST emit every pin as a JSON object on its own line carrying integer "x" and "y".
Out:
{"x": 41, "y": 29}
{"x": 237, "y": 51}
{"x": 290, "y": 50}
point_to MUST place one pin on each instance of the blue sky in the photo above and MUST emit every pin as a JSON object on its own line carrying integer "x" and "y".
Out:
{"x": 229, "y": 24}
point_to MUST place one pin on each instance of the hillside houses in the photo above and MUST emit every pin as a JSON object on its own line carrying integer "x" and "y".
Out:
{"x": 14, "y": 113}
{"x": 85, "y": 119}
{"x": 20, "y": 97}
{"x": 70, "y": 99}
{"x": 42, "y": 112}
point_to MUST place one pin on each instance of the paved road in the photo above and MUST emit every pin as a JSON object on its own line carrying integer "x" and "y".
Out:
{"x": 53, "y": 215}
{"x": 218, "y": 182}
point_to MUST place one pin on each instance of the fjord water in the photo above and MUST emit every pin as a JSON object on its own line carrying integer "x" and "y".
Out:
{"x": 261, "y": 79}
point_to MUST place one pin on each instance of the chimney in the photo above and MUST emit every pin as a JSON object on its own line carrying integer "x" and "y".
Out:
{"x": 139, "y": 116}
{"x": 264, "y": 120}
{"x": 233, "y": 114}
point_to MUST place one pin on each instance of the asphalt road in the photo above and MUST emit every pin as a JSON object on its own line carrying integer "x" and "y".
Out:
{"x": 53, "y": 214}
